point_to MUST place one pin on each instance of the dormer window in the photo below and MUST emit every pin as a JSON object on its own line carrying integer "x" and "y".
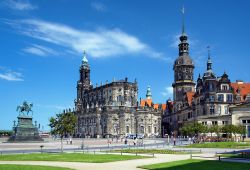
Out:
{"x": 224, "y": 87}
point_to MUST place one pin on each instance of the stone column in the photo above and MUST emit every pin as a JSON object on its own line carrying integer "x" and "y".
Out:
{"x": 98, "y": 126}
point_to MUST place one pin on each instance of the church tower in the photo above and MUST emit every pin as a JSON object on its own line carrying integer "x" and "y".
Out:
{"x": 183, "y": 71}
{"x": 83, "y": 84}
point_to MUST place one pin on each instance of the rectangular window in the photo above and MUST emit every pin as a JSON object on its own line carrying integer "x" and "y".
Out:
{"x": 226, "y": 109}
{"x": 248, "y": 121}
{"x": 244, "y": 121}
{"x": 149, "y": 129}
{"x": 229, "y": 97}
{"x": 212, "y": 109}
{"x": 211, "y": 98}
{"x": 214, "y": 122}
{"x": 155, "y": 130}
{"x": 219, "y": 109}
{"x": 142, "y": 129}
{"x": 127, "y": 129}
{"x": 220, "y": 97}
{"x": 204, "y": 123}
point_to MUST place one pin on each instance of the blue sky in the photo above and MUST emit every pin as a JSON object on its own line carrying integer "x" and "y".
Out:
{"x": 42, "y": 44}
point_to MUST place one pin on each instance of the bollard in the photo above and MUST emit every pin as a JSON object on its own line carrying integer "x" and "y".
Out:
{"x": 219, "y": 158}
{"x": 190, "y": 156}
{"x": 153, "y": 155}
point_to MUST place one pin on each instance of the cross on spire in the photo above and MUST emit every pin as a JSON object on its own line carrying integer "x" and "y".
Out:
{"x": 208, "y": 52}
{"x": 183, "y": 20}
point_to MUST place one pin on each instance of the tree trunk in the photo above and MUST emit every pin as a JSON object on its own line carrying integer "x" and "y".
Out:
{"x": 61, "y": 144}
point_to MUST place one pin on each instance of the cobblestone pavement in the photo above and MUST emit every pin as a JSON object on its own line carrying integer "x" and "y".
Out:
{"x": 55, "y": 144}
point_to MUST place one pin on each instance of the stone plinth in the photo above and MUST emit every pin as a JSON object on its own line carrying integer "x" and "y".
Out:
{"x": 25, "y": 130}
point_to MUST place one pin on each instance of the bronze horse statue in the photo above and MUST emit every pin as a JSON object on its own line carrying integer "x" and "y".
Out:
{"x": 25, "y": 107}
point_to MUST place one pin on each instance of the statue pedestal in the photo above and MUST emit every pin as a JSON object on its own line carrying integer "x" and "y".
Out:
{"x": 25, "y": 130}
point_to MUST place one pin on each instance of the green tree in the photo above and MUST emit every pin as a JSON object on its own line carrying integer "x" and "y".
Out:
{"x": 228, "y": 130}
{"x": 241, "y": 130}
{"x": 192, "y": 129}
{"x": 63, "y": 124}
{"x": 215, "y": 129}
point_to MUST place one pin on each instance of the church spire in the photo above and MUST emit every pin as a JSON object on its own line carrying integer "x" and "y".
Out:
{"x": 149, "y": 94}
{"x": 209, "y": 61}
{"x": 183, "y": 20}
{"x": 183, "y": 46}
{"x": 84, "y": 59}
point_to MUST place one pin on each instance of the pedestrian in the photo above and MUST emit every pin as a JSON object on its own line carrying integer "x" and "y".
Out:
{"x": 126, "y": 141}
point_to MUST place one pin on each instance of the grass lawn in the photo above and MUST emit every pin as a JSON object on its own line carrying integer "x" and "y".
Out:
{"x": 69, "y": 157}
{"x": 30, "y": 167}
{"x": 198, "y": 165}
{"x": 150, "y": 151}
{"x": 237, "y": 155}
{"x": 236, "y": 145}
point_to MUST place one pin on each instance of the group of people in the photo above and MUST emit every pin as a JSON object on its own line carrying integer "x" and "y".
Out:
{"x": 136, "y": 141}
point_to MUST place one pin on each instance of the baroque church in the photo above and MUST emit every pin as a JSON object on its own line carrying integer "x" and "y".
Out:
{"x": 211, "y": 100}
{"x": 113, "y": 110}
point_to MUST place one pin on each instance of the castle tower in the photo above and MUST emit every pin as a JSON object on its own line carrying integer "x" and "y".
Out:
{"x": 183, "y": 71}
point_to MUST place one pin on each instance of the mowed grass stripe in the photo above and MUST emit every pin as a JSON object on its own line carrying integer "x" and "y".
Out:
{"x": 30, "y": 167}
{"x": 198, "y": 165}
{"x": 69, "y": 157}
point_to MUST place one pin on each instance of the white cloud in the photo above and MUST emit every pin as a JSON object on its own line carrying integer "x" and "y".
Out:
{"x": 19, "y": 5}
{"x": 40, "y": 50}
{"x": 10, "y": 75}
{"x": 98, "y": 6}
{"x": 100, "y": 43}
{"x": 168, "y": 91}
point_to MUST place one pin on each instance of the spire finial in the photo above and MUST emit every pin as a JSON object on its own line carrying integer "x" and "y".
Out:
{"x": 84, "y": 59}
{"x": 149, "y": 94}
{"x": 183, "y": 20}
{"x": 208, "y": 52}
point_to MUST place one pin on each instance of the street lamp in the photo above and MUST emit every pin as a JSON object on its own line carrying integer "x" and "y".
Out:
{"x": 82, "y": 140}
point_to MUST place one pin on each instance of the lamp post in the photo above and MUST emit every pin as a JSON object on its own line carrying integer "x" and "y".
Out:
{"x": 82, "y": 140}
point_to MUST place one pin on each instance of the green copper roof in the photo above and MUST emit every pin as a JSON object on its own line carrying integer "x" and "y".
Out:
{"x": 84, "y": 59}
{"x": 149, "y": 94}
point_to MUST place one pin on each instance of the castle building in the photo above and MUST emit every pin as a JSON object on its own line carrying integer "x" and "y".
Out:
{"x": 112, "y": 109}
{"x": 211, "y": 100}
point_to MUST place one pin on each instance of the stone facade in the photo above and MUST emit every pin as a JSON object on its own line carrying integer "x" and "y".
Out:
{"x": 112, "y": 109}
{"x": 208, "y": 100}
{"x": 241, "y": 115}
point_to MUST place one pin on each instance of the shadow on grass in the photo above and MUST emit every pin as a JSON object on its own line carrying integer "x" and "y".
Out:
{"x": 198, "y": 165}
